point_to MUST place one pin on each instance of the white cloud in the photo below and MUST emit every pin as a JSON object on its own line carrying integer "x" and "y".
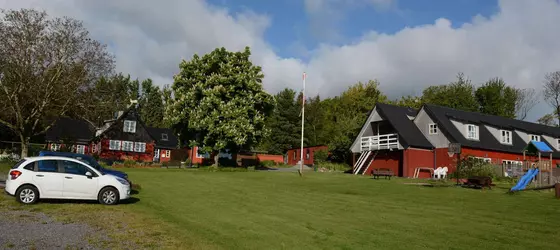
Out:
{"x": 150, "y": 38}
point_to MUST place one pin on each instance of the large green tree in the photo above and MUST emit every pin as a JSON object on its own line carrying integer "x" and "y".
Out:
{"x": 283, "y": 124}
{"x": 456, "y": 95}
{"x": 45, "y": 65}
{"x": 551, "y": 92}
{"x": 219, "y": 101}
{"x": 151, "y": 104}
{"x": 314, "y": 121}
{"x": 496, "y": 98}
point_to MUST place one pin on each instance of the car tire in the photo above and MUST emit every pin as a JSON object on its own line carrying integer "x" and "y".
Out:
{"x": 27, "y": 194}
{"x": 108, "y": 196}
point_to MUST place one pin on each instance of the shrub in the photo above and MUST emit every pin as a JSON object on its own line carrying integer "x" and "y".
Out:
{"x": 129, "y": 163}
{"x": 334, "y": 166}
{"x": 268, "y": 163}
{"x": 471, "y": 166}
{"x": 320, "y": 156}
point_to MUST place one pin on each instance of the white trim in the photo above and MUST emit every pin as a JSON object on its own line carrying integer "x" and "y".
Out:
{"x": 358, "y": 139}
{"x": 55, "y": 147}
{"x": 557, "y": 144}
{"x": 114, "y": 145}
{"x": 534, "y": 137}
{"x": 81, "y": 149}
{"x": 140, "y": 147}
{"x": 129, "y": 126}
{"x": 128, "y": 146}
{"x": 505, "y": 137}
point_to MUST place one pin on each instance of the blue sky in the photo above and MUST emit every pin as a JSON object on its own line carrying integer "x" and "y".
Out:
{"x": 291, "y": 25}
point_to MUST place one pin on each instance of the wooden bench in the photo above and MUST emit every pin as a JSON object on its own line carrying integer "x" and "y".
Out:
{"x": 382, "y": 172}
{"x": 479, "y": 182}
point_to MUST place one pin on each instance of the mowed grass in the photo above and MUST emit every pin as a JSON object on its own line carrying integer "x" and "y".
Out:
{"x": 190, "y": 209}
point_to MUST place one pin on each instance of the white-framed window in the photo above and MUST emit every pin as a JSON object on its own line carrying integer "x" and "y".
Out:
{"x": 511, "y": 162}
{"x": 307, "y": 154}
{"x": 487, "y": 160}
{"x": 80, "y": 149}
{"x": 433, "y": 129}
{"x": 93, "y": 148}
{"x": 55, "y": 147}
{"x": 114, "y": 145}
{"x": 164, "y": 137}
{"x": 200, "y": 155}
{"x": 127, "y": 146}
{"x": 129, "y": 126}
{"x": 167, "y": 153}
{"x": 140, "y": 147}
{"x": 535, "y": 137}
{"x": 472, "y": 132}
{"x": 505, "y": 137}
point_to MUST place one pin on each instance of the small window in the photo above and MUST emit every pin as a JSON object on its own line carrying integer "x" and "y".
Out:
{"x": 71, "y": 167}
{"x": 55, "y": 147}
{"x": 129, "y": 126}
{"x": 505, "y": 137}
{"x": 472, "y": 132}
{"x": 127, "y": 146}
{"x": 114, "y": 145}
{"x": 433, "y": 129}
{"x": 295, "y": 155}
{"x": 167, "y": 153}
{"x": 484, "y": 159}
{"x": 139, "y": 147}
{"x": 307, "y": 154}
{"x": 164, "y": 137}
{"x": 49, "y": 166}
{"x": 535, "y": 137}
{"x": 93, "y": 148}
{"x": 80, "y": 149}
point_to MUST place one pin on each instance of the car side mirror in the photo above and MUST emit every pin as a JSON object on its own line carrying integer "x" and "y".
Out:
{"x": 89, "y": 175}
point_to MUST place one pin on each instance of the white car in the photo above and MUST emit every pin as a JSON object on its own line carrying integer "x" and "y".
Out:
{"x": 55, "y": 177}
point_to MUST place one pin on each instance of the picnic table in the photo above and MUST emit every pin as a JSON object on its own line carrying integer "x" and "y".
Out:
{"x": 388, "y": 173}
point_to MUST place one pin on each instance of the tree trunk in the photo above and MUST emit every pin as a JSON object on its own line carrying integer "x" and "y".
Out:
{"x": 216, "y": 158}
{"x": 24, "y": 145}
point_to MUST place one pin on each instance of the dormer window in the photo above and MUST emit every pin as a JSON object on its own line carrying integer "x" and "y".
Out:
{"x": 433, "y": 129}
{"x": 505, "y": 137}
{"x": 164, "y": 137}
{"x": 129, "y": 126}
{"x": 472, "y": 132}
{"x": 535, "y": 137}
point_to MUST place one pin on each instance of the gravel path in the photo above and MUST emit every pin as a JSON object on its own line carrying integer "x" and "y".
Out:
{"x": 31, "y": 230}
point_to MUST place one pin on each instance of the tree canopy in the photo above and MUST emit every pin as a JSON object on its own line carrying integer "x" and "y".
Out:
{"x": 219, "y": 101}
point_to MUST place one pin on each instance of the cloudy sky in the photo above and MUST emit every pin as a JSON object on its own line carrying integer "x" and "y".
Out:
{"x": 405, "y": 44}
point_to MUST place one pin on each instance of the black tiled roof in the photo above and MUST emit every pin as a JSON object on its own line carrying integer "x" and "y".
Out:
{"x": 68, "y": 129}
{"x": 443, "y": 116}
{"x": 409, "y": 134}
{"x": 160, "y": 134}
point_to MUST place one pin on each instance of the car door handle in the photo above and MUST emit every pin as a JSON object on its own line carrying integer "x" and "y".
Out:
{"x": 68, "y": 177}
{"x": 40, "y": 175}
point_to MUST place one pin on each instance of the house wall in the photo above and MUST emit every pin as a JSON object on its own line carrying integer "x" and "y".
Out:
{"x": 551, "y": 141}
{"x": 413, "y": 158}
{"x": 279, "y": 159}
{"x": 294, "y": 155}
{"x": 108, "y": 154}
{"x": 87, "y": 148}
{"x": 365, "y": 131}
{"x": 422, "y": 121}
{"x": 387, "y": 159}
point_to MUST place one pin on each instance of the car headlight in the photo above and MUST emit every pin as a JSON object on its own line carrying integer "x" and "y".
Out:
{"x": 122, "y": 181}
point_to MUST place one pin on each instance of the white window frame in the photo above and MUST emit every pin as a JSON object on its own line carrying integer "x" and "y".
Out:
{"x": 533, "y": 137}
{"x": 55, "y": 147}
{"x": 115, "y": 145}
{"x": 81, "y": 149}
{"x": 129, "y": 126}
{"x": 164, "y": 137}
{"x": 167, "y": 153}
{"x": 485, "y": 159}
{"x": 93, "y": 148}
{"x": 505, "y": 137}
{"x": 140, "y": 147}
{"x": 475, "y": 130}
{"x": 127, "y": 146}
{"x": 512, "y": 162}
{"x": 433, "y": 129}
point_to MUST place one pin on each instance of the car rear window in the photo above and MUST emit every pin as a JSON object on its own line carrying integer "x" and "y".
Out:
{"x": 18, "y": 163}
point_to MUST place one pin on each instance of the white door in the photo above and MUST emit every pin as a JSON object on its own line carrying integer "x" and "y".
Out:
{"x": 48, "y": 179}
{"x": 156, "y": 154}
{"x": 76, "y": 184}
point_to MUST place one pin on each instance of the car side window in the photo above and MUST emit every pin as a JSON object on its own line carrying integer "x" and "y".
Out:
{"x": 49, "y": 166}
{"x": 70, "y": 167}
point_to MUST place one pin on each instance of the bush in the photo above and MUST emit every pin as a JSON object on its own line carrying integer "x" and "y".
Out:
{"x": 268, "y": 163}
{"x": 129, "y": 163}
{"x": 471, "y": 166}
{"x": 320, "y": 156}
{"x": 334, "y": 166}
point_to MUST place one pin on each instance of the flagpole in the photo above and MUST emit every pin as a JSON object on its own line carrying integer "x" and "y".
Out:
{"x": 302, "y": 121}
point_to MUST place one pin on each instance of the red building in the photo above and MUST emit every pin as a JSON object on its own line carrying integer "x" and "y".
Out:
{"x": 403, "y": 139}
{"x": 294, "y": 155}
{"x": 125, "y": 137}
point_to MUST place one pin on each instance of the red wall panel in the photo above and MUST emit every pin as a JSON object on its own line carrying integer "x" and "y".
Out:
{"x": 294, "y": 155}
{"x": 414, "y": 158}
{"x": 387, "y": 159}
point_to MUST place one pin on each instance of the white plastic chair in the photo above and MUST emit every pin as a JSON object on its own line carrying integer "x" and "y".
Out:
{"x": 437, "y": 172}
{"x": 443, "y": 172}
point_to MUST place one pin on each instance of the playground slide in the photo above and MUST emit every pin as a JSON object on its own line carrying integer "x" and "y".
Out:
{"x": 525, "y": 179}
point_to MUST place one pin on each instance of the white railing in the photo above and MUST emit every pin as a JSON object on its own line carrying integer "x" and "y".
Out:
{"x": 377, "y": 142}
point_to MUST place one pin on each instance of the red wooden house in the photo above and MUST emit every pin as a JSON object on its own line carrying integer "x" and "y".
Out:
{"x": 125, "y": 137}
{"x": 403, "y": 139}
{"x": 294, "y": 155}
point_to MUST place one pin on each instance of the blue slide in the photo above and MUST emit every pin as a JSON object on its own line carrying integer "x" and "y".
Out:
{"x": 525, "y": 179}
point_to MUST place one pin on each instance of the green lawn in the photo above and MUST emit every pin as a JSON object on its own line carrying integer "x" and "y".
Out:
{"x": 264, "y": 210}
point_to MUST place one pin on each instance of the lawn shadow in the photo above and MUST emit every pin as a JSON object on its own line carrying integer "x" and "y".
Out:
{"x": 131, "y": 200}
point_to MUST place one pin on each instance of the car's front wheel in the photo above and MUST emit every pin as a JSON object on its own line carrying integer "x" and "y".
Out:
{"x": 108, "y": 196}
{"x": 27, "y": 194}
